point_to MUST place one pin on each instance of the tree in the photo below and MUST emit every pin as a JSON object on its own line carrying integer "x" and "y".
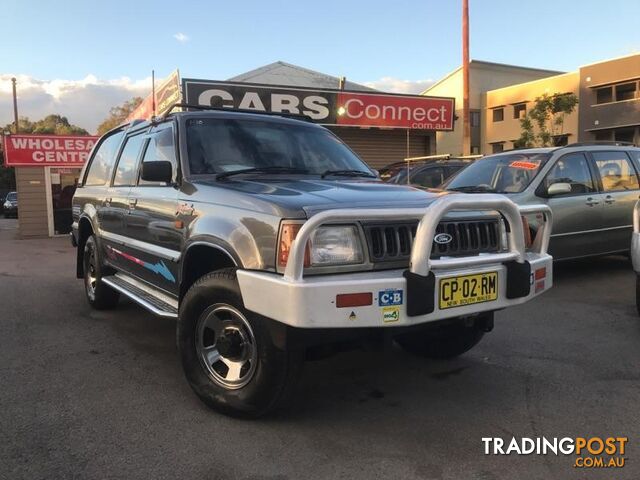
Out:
{"x": 118, "y": 115}
{"x": 545, "y": 120}
{"x": 51, "y": 124}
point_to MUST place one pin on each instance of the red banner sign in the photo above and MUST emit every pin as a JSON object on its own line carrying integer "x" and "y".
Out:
{"x": 167, "y": 93}
{"x": 47, "y": 150}
{"x": 396, "y": 111}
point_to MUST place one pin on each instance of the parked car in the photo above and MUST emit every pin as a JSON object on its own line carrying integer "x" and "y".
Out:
{"x": 635, "y": 250}
{"x": 10, "y": 205}
{"x": 269, "y": 241}
{"x": 429, "y": 172}
{"x": 591, "y": 189}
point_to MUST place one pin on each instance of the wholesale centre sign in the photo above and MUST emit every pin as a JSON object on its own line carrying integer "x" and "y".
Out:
{"x": 47, "y": 150}
{"x": 327, "y": 107}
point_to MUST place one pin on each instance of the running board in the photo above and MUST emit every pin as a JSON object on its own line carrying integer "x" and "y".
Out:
{"x": 148, "y": 297}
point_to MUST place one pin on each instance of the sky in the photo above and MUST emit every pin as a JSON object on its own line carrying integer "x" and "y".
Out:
{"x": 79, "y": 57}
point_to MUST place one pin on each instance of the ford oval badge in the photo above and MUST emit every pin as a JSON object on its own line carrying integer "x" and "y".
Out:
{"x": 442, "y": 238}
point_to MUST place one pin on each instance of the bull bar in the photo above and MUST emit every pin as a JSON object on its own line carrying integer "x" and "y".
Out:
{"x": 310, "y": 301}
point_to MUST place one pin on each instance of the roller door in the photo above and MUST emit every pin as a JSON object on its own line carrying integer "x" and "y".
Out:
{"x": 381, "y": 147}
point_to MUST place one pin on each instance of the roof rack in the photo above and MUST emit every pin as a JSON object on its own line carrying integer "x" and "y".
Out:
{"x": 611, "y": 143}
{"x": 445, "y": 156}
{"x": 298, "y": 116}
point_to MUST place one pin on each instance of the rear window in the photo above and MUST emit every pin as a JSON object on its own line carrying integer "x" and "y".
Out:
{"x": 103, "y": 160}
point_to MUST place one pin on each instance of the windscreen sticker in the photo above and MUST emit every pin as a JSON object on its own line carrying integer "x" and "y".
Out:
{"x": 524, "y": 165}
{"x": 387, "y": 298}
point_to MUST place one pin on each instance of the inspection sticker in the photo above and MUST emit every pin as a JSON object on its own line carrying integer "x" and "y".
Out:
{"x": 390, "y": 314}
{"x": 387, "y": 298}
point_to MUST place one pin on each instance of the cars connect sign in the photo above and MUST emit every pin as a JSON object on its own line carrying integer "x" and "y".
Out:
{"x": 327, "y": 107}
{"x": 47, "y": 150}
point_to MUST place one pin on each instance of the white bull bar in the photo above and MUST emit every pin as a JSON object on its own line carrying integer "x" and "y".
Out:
{"x": 283, "y": 298}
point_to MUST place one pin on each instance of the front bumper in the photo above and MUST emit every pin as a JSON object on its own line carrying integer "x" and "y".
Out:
{"x": 312, "y": 302}
{"x": 402, "y": 297}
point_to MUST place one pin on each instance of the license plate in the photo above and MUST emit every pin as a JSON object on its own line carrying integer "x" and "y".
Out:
{"x": 468, "y": 290}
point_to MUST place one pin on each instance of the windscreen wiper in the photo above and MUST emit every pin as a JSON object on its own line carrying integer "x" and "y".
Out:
{"x": 348, "y": 173}
{"x": 273, "y": 169}
{"x": 474, "y": 188}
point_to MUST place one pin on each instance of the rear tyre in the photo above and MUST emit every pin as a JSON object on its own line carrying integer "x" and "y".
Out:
{"x": 638, "y": 293}
{"x": 446, "y": 341}
{"x": 99, "y": 295}
{"x": 228, "y": 354}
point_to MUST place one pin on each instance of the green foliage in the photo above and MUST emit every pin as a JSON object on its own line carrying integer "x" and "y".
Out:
{"x": 545, "y": 120}
{"x": 118, "y": 115}
{"x": 51, "y": 125}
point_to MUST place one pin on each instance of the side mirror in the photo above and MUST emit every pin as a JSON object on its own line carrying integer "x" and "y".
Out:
{"x": 157, "y": 171}
{"x": 558, "y": 189}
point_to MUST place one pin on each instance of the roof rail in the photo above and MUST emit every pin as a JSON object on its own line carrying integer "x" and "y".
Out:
{"x": 299, "y": 116}
{"x": 445, "y": 156}
{"x": 611, "y": 143}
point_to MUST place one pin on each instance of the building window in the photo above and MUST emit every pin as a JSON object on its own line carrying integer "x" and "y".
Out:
{"x": 475, "y": 150}
{"x": 604, "y": 95}
{"x": 624, "y": 134}
{"x": 497, "y": 147}
{"x": 475, "y": 119}
{"x": 560, "y": 140}
{"x": 625, "y": 91}
{"x": 498, "y": 114}
{"x": 519, "y": 110}
{"x": 603, "y": 136}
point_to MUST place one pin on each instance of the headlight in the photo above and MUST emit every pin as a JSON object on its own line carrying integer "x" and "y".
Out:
{"x": 336, "y": 245}
{"x": 327, "y": 246}
{"x": 7, "y": 205}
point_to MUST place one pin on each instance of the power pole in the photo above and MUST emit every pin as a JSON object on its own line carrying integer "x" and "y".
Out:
{"x": 15, "y": 105}
{"x": 466, "y": 124}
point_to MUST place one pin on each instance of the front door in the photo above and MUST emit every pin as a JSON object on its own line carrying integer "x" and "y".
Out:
{"x": 152, "y": 218}
{"x": 578, "y": 215}
{"x": 620, "y": 190}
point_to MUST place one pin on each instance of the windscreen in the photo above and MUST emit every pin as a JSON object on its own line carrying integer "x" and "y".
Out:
{"x": 508, "y": 173}
{"x": 221, "y": 145}
{"x": 13, "y": 196}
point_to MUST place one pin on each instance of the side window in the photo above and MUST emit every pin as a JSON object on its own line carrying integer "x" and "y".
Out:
{"x": 616, "y": 172}
{"x": 160, "y": 147}
{"x": 574, "y": 170}
{"x": 126, "y": 171}
{"x": 428, "y": 177}
{"x": 103, "y": 160}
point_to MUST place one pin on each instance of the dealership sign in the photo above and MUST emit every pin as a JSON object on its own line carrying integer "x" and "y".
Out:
{"x": 327, "y": 107}
{"x": 47, "y": 150}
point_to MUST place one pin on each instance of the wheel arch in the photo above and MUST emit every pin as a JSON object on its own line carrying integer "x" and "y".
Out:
{"x": 202, "y": 257}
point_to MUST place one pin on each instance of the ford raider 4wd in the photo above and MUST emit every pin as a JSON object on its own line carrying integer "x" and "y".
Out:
{"x": 270, "y": 242}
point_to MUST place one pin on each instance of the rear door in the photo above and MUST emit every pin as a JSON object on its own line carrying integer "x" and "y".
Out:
{"x": 152, "y": 222}
{"x": 578, "y": 215}
{"x": 620, "y": 189}
{"x": 116, "y": 204}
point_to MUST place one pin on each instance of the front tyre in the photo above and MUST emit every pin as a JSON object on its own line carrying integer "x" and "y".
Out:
{"x": 448, "y": 340}
{"x": 228, "y": 353}
{"x": 99, "y": 295}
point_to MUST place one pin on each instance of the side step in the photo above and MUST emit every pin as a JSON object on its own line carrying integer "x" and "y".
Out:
{"x": 156, "y": 302}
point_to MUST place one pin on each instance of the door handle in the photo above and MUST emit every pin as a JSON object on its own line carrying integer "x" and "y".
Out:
{"x": 132, "y": 203}
{"x": 591, "y": 202}
{"x": 609, "y": 200}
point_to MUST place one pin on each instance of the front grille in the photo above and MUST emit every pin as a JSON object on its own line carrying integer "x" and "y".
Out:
{"x": 392, "y": 242}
